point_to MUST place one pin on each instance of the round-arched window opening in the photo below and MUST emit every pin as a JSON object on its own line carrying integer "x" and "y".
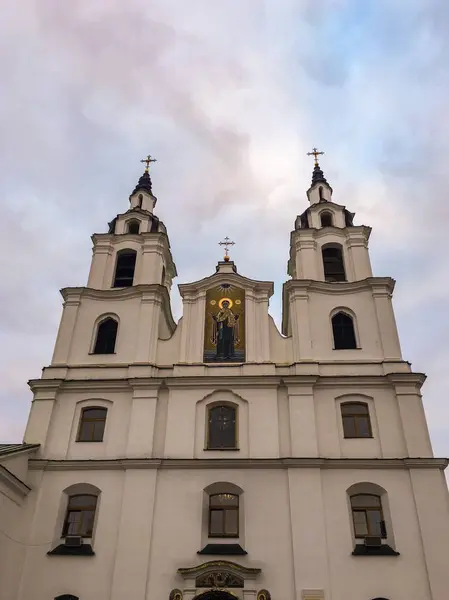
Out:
{"x": 326, "y": 219}
{"x": 133, "y": 226}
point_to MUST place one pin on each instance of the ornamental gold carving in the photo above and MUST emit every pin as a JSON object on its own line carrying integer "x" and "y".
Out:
{"x": 175, "y": 595}
{"x": 219, "y": 579}
{"x": 263, "y": 595}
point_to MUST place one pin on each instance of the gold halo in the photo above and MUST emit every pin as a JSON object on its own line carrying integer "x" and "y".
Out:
{"x": 238, "y": 302}
{"x": 220, "y": 302}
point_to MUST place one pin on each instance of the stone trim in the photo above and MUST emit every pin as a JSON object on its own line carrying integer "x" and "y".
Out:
{"x": 238, "y": 463}
{"x": 219, "y": 565}
{"x": 13, "y": 483}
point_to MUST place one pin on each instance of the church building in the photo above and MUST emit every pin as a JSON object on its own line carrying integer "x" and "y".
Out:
{"x": 219, "y": 458}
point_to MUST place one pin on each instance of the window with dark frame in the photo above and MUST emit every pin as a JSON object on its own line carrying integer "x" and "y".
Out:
{"x": 92, "y": 424}
{"x": 334, "y": 269}
{"x": 80, "y": 515}
{"x": 106, "y": 337}
{"x": 222, "y": 427}
{"x": 124, "y": 270}
{"x": 223, "y": 515}
{"x": 367, "y": 516}
{"x": 343, "y": 332}
{"x": 356, "y": 420}
{"x": 326, "y": 219}
{"x": 133, "y": 226}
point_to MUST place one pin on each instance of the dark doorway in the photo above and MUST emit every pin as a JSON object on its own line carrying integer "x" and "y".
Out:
{"x": 215, "y": 595}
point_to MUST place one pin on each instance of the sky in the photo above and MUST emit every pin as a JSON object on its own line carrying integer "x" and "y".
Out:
{"x": 229, "y": 96}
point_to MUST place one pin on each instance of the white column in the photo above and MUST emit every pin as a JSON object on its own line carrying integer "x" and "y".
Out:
{"x": 358, "y": 248}
{"x": 129, "y": 577}
{"x": 387, "y": 323}
{"x": 150, "y": 270}
{"x": 306, "y": 258}
{"x": 411, "y": 410}
{"x": 308, "y": 530}
{"x": 102, "y": 251}
{"x": 250, "y": 328}
{"x": 303, "y": 430}
{"x": 148, "y": 330}
{"x": 187, "y": 308}
{"x": 66, "y": 327}
{"x": 141, "y": 426}
{"x": 40, "y": 415}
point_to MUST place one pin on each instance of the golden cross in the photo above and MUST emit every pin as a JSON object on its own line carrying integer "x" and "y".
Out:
{"x": 149, "y": 159}
{"x": 315, "y": 153}
{"x": 226, "y": 243}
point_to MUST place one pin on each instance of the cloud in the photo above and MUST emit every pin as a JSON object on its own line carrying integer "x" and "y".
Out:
{"x": 229, "y": 97}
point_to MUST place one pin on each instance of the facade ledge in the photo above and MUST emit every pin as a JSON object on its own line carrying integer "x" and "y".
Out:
{"x": 122, "y": 464}
{"x": 191, "y": 289}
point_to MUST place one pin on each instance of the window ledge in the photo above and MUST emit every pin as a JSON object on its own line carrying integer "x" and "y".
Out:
{"x": 101, "y": 353}
{"x": 223, "y": 550}
{"x": 221, "y": 449}
{"x": 358, "y": 437}
{"x": 384, "y": 550}
{"x": 63, "y": 550}
{"x": 350, "y": 349}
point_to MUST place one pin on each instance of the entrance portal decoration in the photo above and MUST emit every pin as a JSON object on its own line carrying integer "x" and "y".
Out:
{"x": 219, "y": 579}
{"x": 263, "y": 595}
{"x": 224, "y": 334}
{"x": 175, "y": 595}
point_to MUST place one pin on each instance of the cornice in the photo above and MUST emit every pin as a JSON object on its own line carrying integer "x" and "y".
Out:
{"x": 121, "y": 464}
{"x": 410, "y": 380}
{"x": 256, "y": 286}
{"x": 376, "y": 284}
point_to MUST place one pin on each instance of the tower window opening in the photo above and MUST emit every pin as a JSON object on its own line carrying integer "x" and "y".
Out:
{"x": 106, "y": 337}
{"x": 326, "y": 219}
{"x": 343, "y": 331}
{"x": 140, "y": 198}
{"x": 334, "y": 269}
{"x": 356, "y": 420}
{"x": 80, "y": 515}
{"x": 133, "y": 226}
{"x": 92, "y": 424}
{"x": 367, "y": 516}
{"x": 221, "y": 430}
{"x": 124, "y": 271}
{"x": 223, "y": 515}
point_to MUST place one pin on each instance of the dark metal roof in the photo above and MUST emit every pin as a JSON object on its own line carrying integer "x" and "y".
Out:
{"x": 6, "y": 449}
{"x": 144, "y": 184}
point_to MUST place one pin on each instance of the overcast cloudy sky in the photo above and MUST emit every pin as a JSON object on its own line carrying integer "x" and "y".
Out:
{"x": 229, "y": 95}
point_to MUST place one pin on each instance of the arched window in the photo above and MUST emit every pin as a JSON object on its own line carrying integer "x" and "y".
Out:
{"x": 343, "y": 331}
{"x": 223, "y": 515}
{"x": 334, "y": 269}
{"x": 140, "y": 197}
{"x": 92, "y": 424}
{"x": 67, "y": 597}
{"x": 326, "y": 219}
{"x": 80, "y": 515}
{"x": 367, "y": 516}
{"x": 356, "y": 420}
{"x": 124, "y": 270}
{"x": 133, "y": 226}
{"x": 222, "y": 427}
{"x": 106, "y": 336}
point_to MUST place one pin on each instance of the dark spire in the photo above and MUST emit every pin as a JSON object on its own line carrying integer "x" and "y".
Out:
{"x": 144, "y": 184}
{"x": 317, "y": 175}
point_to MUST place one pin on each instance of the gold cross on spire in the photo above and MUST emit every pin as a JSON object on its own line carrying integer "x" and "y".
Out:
{"x": 315, "y": 153}
{"x": 149, "y": 159}
{"x": 226, "y": 243}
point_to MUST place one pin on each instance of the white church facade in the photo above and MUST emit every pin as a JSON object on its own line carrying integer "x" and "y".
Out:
{"x": 218, "y": 458}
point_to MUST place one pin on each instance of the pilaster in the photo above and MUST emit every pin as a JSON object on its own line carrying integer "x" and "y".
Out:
{"x": 72, "y": 300}
{"x": 142, "y": 419}
{"x": 99, "y": 267}
{"x": 386, "y": 321}
{"x": 357, "y": 244}
{"x": 303, "y": 427}
{"x": 38, "y": 424}
{"x": 148, "y": 331}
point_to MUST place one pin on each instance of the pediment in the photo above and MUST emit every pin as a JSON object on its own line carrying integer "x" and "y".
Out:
{"x": 226, "y": 273}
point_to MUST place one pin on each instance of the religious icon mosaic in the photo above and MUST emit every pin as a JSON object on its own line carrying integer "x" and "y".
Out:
{"x": 224, "y": 336}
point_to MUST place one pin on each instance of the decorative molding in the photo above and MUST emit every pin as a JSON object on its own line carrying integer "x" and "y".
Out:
{"x": 236, "y": 463}
{"x": 219, "y": 566}
{"x": 219, "y": 579}
{"x": 196, "y": 287}
{"x": 312, "y": 594}
{"x": 263, "y": 595}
